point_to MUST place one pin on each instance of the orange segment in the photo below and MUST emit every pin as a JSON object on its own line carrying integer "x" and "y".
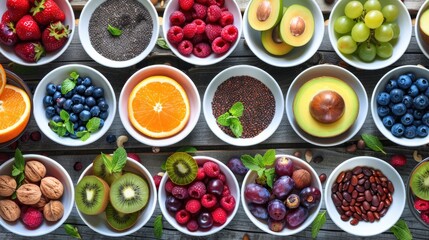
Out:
{"x": 15, "y": 108}
{"x": 158, "y": 107}
{"x": 2, "y": 78}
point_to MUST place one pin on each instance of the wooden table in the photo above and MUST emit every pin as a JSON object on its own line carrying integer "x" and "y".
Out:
{"x": 284, "y": 140}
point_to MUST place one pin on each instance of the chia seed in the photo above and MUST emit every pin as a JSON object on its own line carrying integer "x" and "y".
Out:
{"x": 258, "y": 101}
{"x": 128, "y": 15}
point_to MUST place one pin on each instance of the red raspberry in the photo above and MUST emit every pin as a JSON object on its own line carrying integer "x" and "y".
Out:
{"x": 189, "y": 30}
{"x": 197, "y": 190}
{"x": 219, "y": 3}
{"x": 134, "y": 156}
{"x": 213, "y": 31}
{"x": 424, "y": 215}
{"x": 202, "y": 50}
{"x": 185, "y": 47}
{"x": 222, "y": 177}
{"x": 192, "y": 225}
{"x": 180, "y": 192}
{"x": 229, "y": 33}
{"x": 182, "y": 216}
{"x": 227, "y": 203}
{"x": 177, "y": 18}
{"x": 225, "y": 191}
{"x": 398, "y": 160}
{"x": 208, "y": 200}
{"x": 421, "y": 205}
{"x": 198, "y": 38}
{"x": 157, "y": 180}
{"x": 213, "y": 13}
{"x": 186, "y": 4}
{"x": 199, "y": 11}
{"x": 169, "y": 185}
{"x": 226, "y": 18}
{"x": 203, "y": 2}
{"x": 211, "y": 169}
{"x": 219, "y": 216}
{"x": 32, "y": 218}
{"x": 188, "y": 16}
{"x": 201, "y": 26}
{"x": 200, "y": 175}
{"x": 220, "y": 46}
{"x": 193, "y": 206}
{"x": 175, "y": 34}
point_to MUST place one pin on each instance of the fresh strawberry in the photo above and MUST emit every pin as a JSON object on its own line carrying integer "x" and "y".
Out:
{"x": 5, "y": 18}
{"x": 8, "y": 34}
{"x": 46, "y": 12}
{"x": 398, "y": 160}
{"x": 27, "y": 29}
{"x": 55, "y": 36}
{"x": 29, "y": 51}
{"x": 17, "y": 8}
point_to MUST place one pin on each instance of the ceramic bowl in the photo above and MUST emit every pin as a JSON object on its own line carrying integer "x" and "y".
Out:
{"x": 10, "y": 54}
{"x": 411, "y": 198}
{"x": 56, "y": 77}
{"x": 399, "y": 45}
{"x": 233, "y": 187}
{"x": 183, "y": 80}
{"x": 424, "y": 46}
{"x": 258, "y": 74}
{"x": 99, "y": 224}
{"x": 366, "y": 229}
{"x": 84, "y": 23}
{"x": 213, "y": 58}
{"x": 332, "y": 71}
{"x": 54, "y": 169}
{"x": 394, "y": 74}
{"x": 299, "y": 54}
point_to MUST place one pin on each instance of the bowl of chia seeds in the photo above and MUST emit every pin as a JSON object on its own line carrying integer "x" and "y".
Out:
{"x": 243, "y": 105}
{"x": 118, "y": 34}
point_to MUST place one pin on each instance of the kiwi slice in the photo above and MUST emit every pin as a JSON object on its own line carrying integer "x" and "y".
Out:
{"x": 99, "y": 169}
{"x": 92, "y": 195}
{"x": 181, "y": 168}
{"x": 120, "y": 221}
{"x": 129, "y": 193}
{"x": 419, "y": 181}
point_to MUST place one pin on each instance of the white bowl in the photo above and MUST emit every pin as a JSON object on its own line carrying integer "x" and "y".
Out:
{"x": 9, "y": 52}
{"x": 366, "y": 229}
{"x": 212, "y": 58}
{"x": 233, "y": 188}
{"x": 399, "y": 45}
{"x": 263, "y": 225}
{"x": 54, "y": 169}
{"x": 424, "y": 46}
{"x": 332, "y": 71}
{"x": 187, "y": 84}
{"x": 299, "y": 54}
{"x": 85, "y": 17}
{"x": 258, "y": 74}
{"x": 392, "y": 74}
{"x": 58, "y": 75}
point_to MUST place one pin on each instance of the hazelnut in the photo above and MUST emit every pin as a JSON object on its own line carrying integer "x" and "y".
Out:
{"x": 327, "y": 106}
{"x": 297, "y": 26}
{"x": 302, "y": 178}
{"x": 7, "y": 185}
{"x": 34, "y": 171}
{"x": 28, "y": 194}
{"x": 9, "y": 210}
{"x": 41, "y": 203}
{"x": 51, "y": 188}
{"x": 53, "y": 211}
{"x": 263, "y": 11}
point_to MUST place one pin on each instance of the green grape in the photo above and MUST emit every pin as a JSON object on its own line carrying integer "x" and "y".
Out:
{"x": 353, "y": 9}
{"x": 384, "y": 50}
{"x": 390, "y": 12}
{"x": 343, "y": 25}
{"x": 346, "y": 44}
{"x": 360, "y": 32}
{"x": 395, "y": 28}
{"x": 384, "y": 33}
{"x": 372, "y": 5}
{"x": 373, "y": 19}
{"x": 367, "y": 52}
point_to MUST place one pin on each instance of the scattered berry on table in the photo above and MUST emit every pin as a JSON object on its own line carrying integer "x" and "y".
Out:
{"x": 111, "y": 138}
{"x": 398, "y": 160}
{"x": 134, "y": 156}
{"x": 157, "y": 180}
{"x": 77, "y": 166}
{"x": 237, "y": 166}
{"x": 35, "y": 136}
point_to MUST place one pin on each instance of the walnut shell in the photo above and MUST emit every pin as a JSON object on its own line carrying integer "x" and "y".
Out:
{"x": 41, "y": 203}
{"x": 9, "y": 210}
{"x": 53, "y": 211}
{"x": 51, "y": 187}
{"x": 302, "y": 178}
{"x": 34, "y": 171}
{"x": 7, "y": 185}
{"x": 28, "y": 194}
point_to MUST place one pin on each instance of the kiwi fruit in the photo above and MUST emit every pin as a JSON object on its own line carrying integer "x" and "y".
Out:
{"x": 129, "y": 193}
{"x": 120, "y": 221}
{"x": 99, "y": 169}
{"x": 181, "y": 168}
{"x": 92, "y": 195}
{"x": 419, "y": 181}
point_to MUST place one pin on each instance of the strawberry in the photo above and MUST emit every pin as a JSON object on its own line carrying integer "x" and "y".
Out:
{"x": 29, "y": 51}
{"x": 5, "y": 18}
{"x": 55, "y": 36}
{"x": 17, "y": 8}
{"x": 398, "y": 160}
{"x": 47, "y": 11}
{"x": 27, "y": 29}
{"x": 8, "y": 34}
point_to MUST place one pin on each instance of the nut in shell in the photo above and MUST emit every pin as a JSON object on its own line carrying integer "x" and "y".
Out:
{"x": 7, "y": 185}
{"x": 9, "y": 210}
{"x": 41, "y": 203}
{"x": 302, "y": 178}
{"x": 34, "y": 171}
{"x": 28, "y": 194}
{"x": 53, "y": 211}
{"x": 51, "y": 188}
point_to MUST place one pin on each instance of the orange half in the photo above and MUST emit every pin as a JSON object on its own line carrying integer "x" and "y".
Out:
{"x": 2, "y": 78}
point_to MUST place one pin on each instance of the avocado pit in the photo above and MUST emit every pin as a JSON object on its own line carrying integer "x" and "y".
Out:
{"x": 263, "y": 11}
{"x": 327, "y": 106}
{"x": 297, "y": 26}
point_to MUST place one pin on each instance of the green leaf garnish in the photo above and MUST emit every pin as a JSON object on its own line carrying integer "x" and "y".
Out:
{"x": 67, "y": 86}
{"x": 269, "y": 174}
{"x": 401, "y": 230}
{"x": 249, "y": 162}
{"x": 318, "y": 223}
{"x": 163, "y": 166}
{"x": 116, "y": 32}
{"x": 262, "y": 165}
{"x": 237, "y": 109}
{"x": 118, "y": 161}
{"x": 64, "y": 115}
{"x": 162, "y": 43}
{"x": 231, "y": 119}
{"x": 236, "y": 127}
{"x": 187, "y": 150}
{"x": 72, "y": 231}
{"x": 18, "y": 169}
{"x": 93, "y": 124}
{"x": 74, "y": 76}
{"x": 224, "y": 120}
{"x": 373, "y": 142}
{"x": 269, "y": 157}
{"x": 61, "y": 128}
{"x": 158, "y": 226}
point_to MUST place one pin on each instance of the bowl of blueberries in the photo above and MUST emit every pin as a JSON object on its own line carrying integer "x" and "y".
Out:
{"x": 400, "y": 105}
{"x": 74, "y": 105}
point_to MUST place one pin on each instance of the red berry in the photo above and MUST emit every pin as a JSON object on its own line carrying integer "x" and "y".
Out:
{"x": 229, "y": 33}
{"x": 186, "y": 4}
{"x": 211, "y": 169}
{"x": 202, "y": 50}
{"x": 421, "y": 205}
{"x": 157, "y": 180}
{"x": 213, "y": 31}
{"x": 8, "y": 34}
{"x": 227, "y": 203}
{"x": 47, "y": 11}
{"x": 208, "y": 200}
{"x": 219, "y": 3}
{"x": 177, "y": 18}
{"x": 226, "y": 18}
{"x": 198, "y": 38}
{"x": 200, "y": 175}
{"x": 30, "y": 52}
{"x": 175, "y": 34}
{"x": 213, "y": 13}
{"x": 222, "y": 177}
{"x": 197, "y": 190}
{"x": 193, "y": 206}
{"x": 5, "y": 18}
{"x": 169, "y": 185}
{"x": 203, "y": 2}
{"x": 226, "y": 191}
{"x": 201, "y": 26}
{"x": 180, "y": 192}
{"x": 182, "y": 216}
{"x": 398, "y": 160}
{"x": 17, "y": 9}
{"x": 77, "y": 166}
{"x": 220, "y": 46}
{"x": 185, "y": 47}
{"x": 199, "y": 11}
{"x": 55, "y": 36}
{"x": 192, "y": 225}
{"x": 32, "y": 218}
{"x": 190, "y": 30}
{"x": 27, "y": 29}
{"x": 134, "y": 156}
{"x": 219, "y": 216}
{"x": 35, "y": 136}
{"x": 424, "y": 215}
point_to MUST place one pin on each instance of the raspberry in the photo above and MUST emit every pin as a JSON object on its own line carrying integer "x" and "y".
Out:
{"x": 226, "y": 18}
{"x": 219, "y": 216}
{"x": 424, "y": 215}
{"x": 177, "y": 18}
{"x": 421, "y": 205}
{"x": 201, "y": 26}
{"x": 222, "y": 177}
{"x": 203, "y": 2}
{"x": 197, "y": 190}
{"x": 229, "y": 33}
{"x": 208, "y": 200}
{"x": 225, "y": 191}
{"x": 186, "y": 4}
{"x": 192, "y": 225}
{"x": 193, "y": 206}
{"x": 189, "y": 30}
{"x": 157, "y": 180}
{"x": 202, "y": 50}
{"x": 398, "y": 160}
{"x": 169, "y": 185}
{"x": 200, "y": 175}
{"x": 180, "y": 192}
{"x": 220, "y": 46}
{"x": 213, "y": 31}
{"x": 211, "y": 169}
{"x": 182, "y": 216}
{"x": 175, "y": 34}
{"x": 134, "y": 156}
{"x": 32, "y": 218}
{"x": 188, "y": 16}
{"x": 199, "y": 11}
{"x": 198, "y": 38}
{"x": 219, "y": 3}
{"x": 213, "y": 13}
{"x": 185, "y": 47}
{"x": 227, "y": 203}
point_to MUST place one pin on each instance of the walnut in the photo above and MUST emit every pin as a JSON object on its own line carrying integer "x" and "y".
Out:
{"x": 28, "y": 194}
{"x": 9, "y": 210}
{"x": 51, "y": 187}
{"x": 7, "y": 185}
{"x": 53, "y": 211}
{"x": 41, "y": 203}
{"x": 34, "y": 171}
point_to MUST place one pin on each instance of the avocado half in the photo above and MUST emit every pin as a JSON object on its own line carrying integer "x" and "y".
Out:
{"x": 273, "y": 15}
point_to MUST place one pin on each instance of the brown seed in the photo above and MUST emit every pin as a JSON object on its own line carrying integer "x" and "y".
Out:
{"x": 345, "y": 203}
{"x": 361, "y": 181}
{"x": 354, "y": 222}
{"x": 377, "y": 215}
{"x": 366, "y": 171}
{"x": 366, "y": 205}
{"x": 318, "y": 159}
{"x": 362, "y": 209}
{"x": 322, "y": 177}
{"x": 367, "y": 184}
{"x": 348, "y": 176}
{"x": 359, "y": 188}
{"x": 372, "y": 179}
{"x": 383, "y": 179}
{"x": 355, "y": 215}
{"x": 357, "y": 170}
{"x": 360, "y": 199}
{"x": 339, "y": 195}
{"x": 351, "y": 148}
{"x": 354, "y": 180}
{"x": 380, "y": 190}
{"x": 354, "y": 194}
{"x": 340, "y": 186}
{"x": 383, "y": 212}
{"x": 352, "y": 209}
{"x": 368, "y": 196}
{"x": 345, "y": 208}
{"x": 347, "y": 196}
{"x": 334, "y": 187}
{"x": 358, "y": 211}
{"x": 380, "y": 206}
{"x": 297, "y": 154}
{"x": 340, "y": 177}
{"x": 370, "y": 216}
{"x": 246, "y": 237}
{"x": 360, "y": 175}
{"x": 336, "y": 200}
{"x": 348, "y": 213}
{"x": 373, "y": 187}
{"x": 340, "y": 210}
{"x": 364, "y": 217}
{"x": 350, "y": 189}
{"x": 373, "y": 208}
{"x": 352, "y": 202}
{"x": 390, "y": 187}
{"x": 375, "y": 201}
{"x": 361, "y": 144}
{"x": 389, "y": 196}
{"x": 345, "y": 218}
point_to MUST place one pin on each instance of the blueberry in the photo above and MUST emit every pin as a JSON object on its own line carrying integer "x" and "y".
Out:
{"x": 397, "y": 130}
{"x": 111, "y": 138}
{"x": 100, "y": 99}
{"x": 103, "y": 106}
{"x": 396, "y": 95}
{"x": 85, "y": 107}
{"x": 425, "y": 119}
{"x": 410, "y": 131}
{"x": 79, "y": 81}
{"x": 421, "y": 102}
{"x": 77, "y": 108}
{"x": 51, "y": 89}
{"x": 95, "y": 111}
{"x": 407, "y": 119}
{"x": 87, "y": 81}
{"x": 391, "y": 84}
{"x": 50, "y": 112}
{"x": 383, "y": 98}
{"x": 67, "y": 104}
{"x": 417, "y": 123}
{"x": 422, "y": 131}
{"x": 73, "y": 136}
{"x": 75, "y": 125}
{"x": 57, "y": 109}
{"x": 60, "y": 101}
{"x": 383, "y": 111}
{"x": 101, "y": 124}
{"x": 98, "y": 92}
{"x": 81, "y": 129}
{"x": 427, "y": 92}
{"x": 418, "y": 114}
{"x": 90, "y": 101}
{"x": 412, "y": 76}
{"x": 48, "y": 101}
{"x": 85, "y": 115}
{"x": 56, "y": 118}
{"x": 399, "y": 109}
{"x": 77, "y": 99}
{"x": 80, "y": 89}
{"x": 56, "y": 96}
{"x": 408, "y": 101}
{"x": 422, "y": 84}
{"x": 89, "y": 90}
{"x": 413, "y": 91}
{"x": 404, "y": 81}
{"x": 70, "y": 94}
{"x": 73, "y": 117}
{"x": 104, "y": 115}
{"x": 388, "y": 121}
{"x": 59, "y": 87}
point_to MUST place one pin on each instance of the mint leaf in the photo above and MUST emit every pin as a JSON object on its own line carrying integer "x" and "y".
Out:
{"x": 67, "y": 86}
{"x": 72, "y": 231}
{"x": 163, "y": 167}
{"x": 15, "y": 171}
{"x": 249, "y": 162}
{"x": 80, "y": 134}
{"x": 401, "y": 230}
{"x": 93, "y": 124}
{"x": 107, "y": 162}
{"x": 116, "y": 32}
{"x": 236, "y": 127}
{"x": 187, "y": 149}
{"x": 373, "y": 142}
{"x": 74, "y": 76}
{"x": 162, "y": 43}
{"x": 69, "y": 127}
{"x": 237, "y": 109}
{"x": 119, "y": 159}
{"x": 269, "y": 174}
{"x": 157, "y": 226}
{"x": 61, "y": 131}
{"x": 18, "y": 168}
{"x": 269, "y": 157}
{"x": 85, "y": 136}
{"x": 64, "y": 115}
{"x": 318, "y": 223}
{"x": 224, "y": 120}
{"x": 261, "y": 172}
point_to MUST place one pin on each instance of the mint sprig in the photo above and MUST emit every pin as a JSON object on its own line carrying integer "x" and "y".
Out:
{"x": 18, "y": 169}
{"x": 118, "y": 161}
{"x": 401, "y": 230}
{"x": 373, "y": 142}
{"x": 318, "y": 223}
{"x": 116, "y": 32}
{"x": 72, "y": 231}
{"x": 262, "y": 165}
{"x": 92, "y": 126}
{"x": 158, "y": 226}
{"x": 162, "y": 43}
{"x": 62, "y": 127}
{"x": 231, "y": 119}
{"x": 69, "y": 83}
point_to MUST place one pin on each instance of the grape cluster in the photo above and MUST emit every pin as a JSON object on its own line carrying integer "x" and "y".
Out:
{"x": 367, "y": 29}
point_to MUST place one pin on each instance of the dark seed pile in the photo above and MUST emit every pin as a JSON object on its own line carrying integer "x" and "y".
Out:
{"x": 128, "y": 15}
{"x": 258, "y": 101}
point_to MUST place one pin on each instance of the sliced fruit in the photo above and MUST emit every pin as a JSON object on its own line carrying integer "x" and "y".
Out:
{"x": 419, "y": 181}
{"x": 424, "y": 27}
{"x": 3, "y": 79}
{"x": 273, "y": 43}
{"x": 264, "y": 14}
{"x": 158, "y": 107}
{"x": 182, "y": 168}
{"x": 297, "y": 25}
{"x": 129, "y": 193}
{"x": 99, "y": 170}
{"x": 92, "y": 195}
{"x": 120, "y": 221}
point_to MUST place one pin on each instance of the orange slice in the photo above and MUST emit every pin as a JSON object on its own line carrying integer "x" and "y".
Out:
{"x": 2, "y": 78}
{"x": 15, "y": 108}
{"x": 158, "y": 107}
